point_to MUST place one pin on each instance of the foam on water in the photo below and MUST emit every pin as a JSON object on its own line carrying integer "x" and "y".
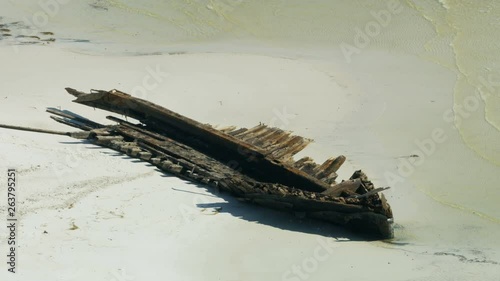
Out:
{"x": 471, "y": 28}
{"x": 466, "y": 42}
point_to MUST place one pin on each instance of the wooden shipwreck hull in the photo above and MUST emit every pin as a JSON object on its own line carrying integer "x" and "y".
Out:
{"x": 256, "y": 165}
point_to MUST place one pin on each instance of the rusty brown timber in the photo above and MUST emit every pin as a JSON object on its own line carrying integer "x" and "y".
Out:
{"x": 188, "y": 152}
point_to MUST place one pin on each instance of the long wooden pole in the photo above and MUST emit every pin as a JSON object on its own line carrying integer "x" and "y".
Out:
{"x": 35, "y": 130}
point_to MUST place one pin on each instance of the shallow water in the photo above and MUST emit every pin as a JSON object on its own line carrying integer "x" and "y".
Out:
{"x": 466, "y": 42}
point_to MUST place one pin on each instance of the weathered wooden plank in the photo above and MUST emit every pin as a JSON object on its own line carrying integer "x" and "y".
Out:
{"x": 105, "y": 139}
{"x": 227, "y": 129}
{"x": 74, "y": 124}
{"x": 256, "y": 135}
{"x": 349, "y": 185}
{"x": 278, "y": 141}
{"x": 292, "y": 148}
{"x": 251, "y": 131}
{"x": 268, "y": 139}
{"x": 307, "y": 165}
{"x": 299, "y": 163}
{"x": 237, "y": 131}
{"x": 74, "y": 117}
{"x": 331, "y": 165}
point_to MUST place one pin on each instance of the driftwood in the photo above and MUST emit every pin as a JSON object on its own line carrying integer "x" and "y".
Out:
{"x": 256, "y": 165}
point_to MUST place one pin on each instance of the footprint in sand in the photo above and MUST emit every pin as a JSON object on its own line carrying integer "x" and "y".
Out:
{"x": 18, "y": 33}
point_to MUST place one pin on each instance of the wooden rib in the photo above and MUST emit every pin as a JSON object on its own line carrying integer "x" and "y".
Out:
{"x": 237, "y": 131}
{"x": 251, "y": 131}
{"x": 255, "y": 136}
{"x": 301, "y": 161}
{"x": 267, "y": 140}
{"x": 306, "y": 165}
{"x": 285, "y": 146}
{"x": 72, "y": 123}
{"x": 331, "y": 165}
{"x": 227, "y": 129}
{"x": 278, "y": 143}
{"x": 275, "y": 142}
{"x": 293, "y": 147}
{"x": 75, "y": 117}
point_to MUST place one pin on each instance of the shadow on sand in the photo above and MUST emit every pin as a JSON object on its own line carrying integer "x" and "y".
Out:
{"x": 250, "y": 212}
{"x": 262, "y": 215}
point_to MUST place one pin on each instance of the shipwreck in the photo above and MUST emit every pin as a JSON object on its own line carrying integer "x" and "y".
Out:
{"x": 255, "y": 165}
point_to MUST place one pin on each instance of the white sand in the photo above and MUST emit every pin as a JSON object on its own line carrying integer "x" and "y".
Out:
{"x": 132, "y": 219}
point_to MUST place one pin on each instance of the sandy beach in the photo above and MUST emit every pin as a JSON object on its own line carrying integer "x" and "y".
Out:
{"x": 392, "y": 86}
